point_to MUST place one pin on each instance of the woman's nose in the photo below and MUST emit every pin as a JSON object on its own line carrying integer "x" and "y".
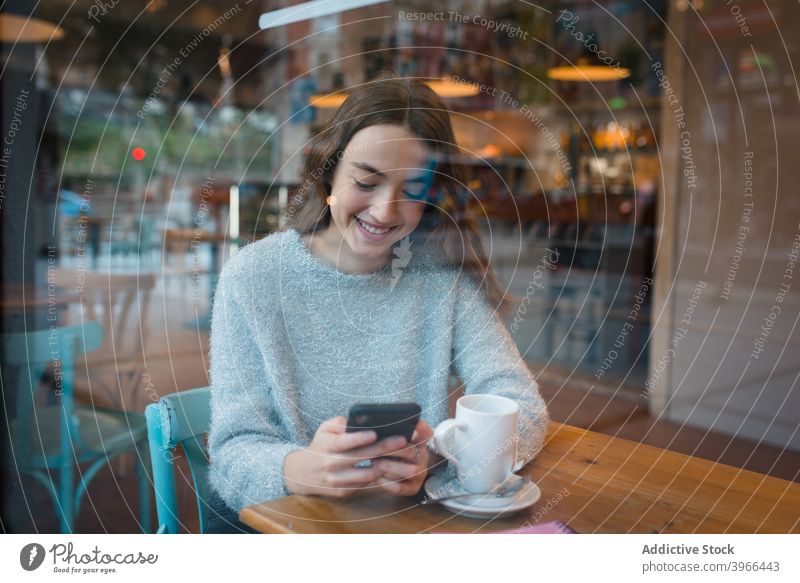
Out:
{"x": 384, "y": 206}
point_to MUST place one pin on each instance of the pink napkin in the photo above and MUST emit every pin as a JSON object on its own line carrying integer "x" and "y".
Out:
{"x": 554, "y": 527}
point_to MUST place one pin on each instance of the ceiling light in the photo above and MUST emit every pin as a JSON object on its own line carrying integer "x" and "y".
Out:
{"x": 590, "y": 73}
{"x": 15, "y": 28}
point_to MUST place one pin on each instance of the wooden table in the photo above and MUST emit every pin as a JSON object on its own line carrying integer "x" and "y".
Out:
{"x": 590, "y": 481}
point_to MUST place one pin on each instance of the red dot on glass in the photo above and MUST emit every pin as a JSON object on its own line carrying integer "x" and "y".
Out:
{"x": 138, "y": 153}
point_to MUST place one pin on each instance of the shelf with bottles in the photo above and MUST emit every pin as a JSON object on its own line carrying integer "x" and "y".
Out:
{"x": 616, "y": 106}
{"x": 584, "y": 337}
{"x": 584, "y": 301}
{"x": 623, "y": 136}
{"x": 539, "y": 215}
{"x": 594, "y": 232}
{"x": 610, "y": 132}
{"x": 572, "y": 287}
{"x": 614, "y": 156}
{"x": 594, "y": 310}
{"x": 591, "y": 245}
{"x": 578, "y": 317}
{"x": 492, "y": 161}
{"x": 617, "y": 174}
{"x": 645, "y": 151}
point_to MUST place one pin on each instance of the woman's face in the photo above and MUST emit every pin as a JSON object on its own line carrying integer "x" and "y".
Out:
{"x": 369, "y": 210}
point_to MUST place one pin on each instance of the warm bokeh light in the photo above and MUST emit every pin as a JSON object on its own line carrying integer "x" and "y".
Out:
{"x": 18, "y": 29}
{"x": 588, "y": 73}
{"x": 449, "y": 87}
{"x": 328, "y": 100}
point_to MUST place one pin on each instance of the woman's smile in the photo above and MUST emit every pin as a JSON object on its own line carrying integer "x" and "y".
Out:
{"x": 372, "y": 231}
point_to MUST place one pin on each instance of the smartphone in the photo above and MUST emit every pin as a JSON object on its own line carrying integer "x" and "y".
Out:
{"x": 385, "y": 419}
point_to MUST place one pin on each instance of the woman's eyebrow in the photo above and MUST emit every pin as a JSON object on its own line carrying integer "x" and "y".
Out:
{"x": 372, "y": 170}
{"x": 366, "y": 167}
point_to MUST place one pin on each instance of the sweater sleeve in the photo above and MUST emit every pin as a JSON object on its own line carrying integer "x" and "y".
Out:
{"x": 488, "y": 362}
{"x": 247, "y": 444}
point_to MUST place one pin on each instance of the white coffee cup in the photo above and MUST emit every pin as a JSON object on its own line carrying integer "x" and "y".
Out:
{"x": 484, "y": 440}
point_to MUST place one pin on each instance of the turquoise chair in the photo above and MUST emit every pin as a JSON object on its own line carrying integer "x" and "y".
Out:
{"x": 181, "y": 419}
{"x": 184, "y": 419}
{"x": 61, "y": 436}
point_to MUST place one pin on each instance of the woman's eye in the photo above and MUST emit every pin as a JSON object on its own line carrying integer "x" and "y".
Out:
{"x": 364, "y": 185}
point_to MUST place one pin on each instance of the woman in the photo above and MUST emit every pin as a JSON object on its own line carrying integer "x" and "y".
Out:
{"x": 378, "y": 287}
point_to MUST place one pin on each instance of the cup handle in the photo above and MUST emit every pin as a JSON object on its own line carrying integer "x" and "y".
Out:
{"x": 440, "y": 436}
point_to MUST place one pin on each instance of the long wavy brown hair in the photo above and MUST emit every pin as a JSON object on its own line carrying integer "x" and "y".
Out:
{"x": 408, "y": 102}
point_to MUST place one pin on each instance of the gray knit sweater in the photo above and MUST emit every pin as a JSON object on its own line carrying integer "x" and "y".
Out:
{"x": 295, "y": 342}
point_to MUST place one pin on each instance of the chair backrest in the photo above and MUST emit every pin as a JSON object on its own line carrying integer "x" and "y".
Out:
{"x": 180, "y": 419}
{"x": 28, "y": 355}
{"x": 120, "y": 302}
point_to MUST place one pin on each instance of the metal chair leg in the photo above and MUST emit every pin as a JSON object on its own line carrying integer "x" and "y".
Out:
{"x": 143, "y": 475}
{"x": 66, "y": 508}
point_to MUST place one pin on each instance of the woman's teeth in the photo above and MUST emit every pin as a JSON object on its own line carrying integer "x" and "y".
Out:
{"x": 371, "y": 229}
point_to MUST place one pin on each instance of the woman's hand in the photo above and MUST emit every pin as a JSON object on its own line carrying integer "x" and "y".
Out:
{"x": 325, "y": 467}
{"x": 405, "y": 477}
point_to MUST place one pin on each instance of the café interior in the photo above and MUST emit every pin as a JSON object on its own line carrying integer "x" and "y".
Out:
{"x": 624, "y": 166}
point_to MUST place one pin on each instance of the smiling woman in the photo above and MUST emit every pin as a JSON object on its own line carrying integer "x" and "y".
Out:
{"x": 369, "y": 208}
{"x": 317, "y": 318}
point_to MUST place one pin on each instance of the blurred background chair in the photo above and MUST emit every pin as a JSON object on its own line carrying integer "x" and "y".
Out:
{"x": 181, "y": 419}
{"x": 59, "y": 437}
{"x": 137, "y": 238}
{"x": 121, "y": 303}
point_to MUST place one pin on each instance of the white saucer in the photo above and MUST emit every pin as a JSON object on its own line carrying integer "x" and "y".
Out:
{"x": 480, "y": 505}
